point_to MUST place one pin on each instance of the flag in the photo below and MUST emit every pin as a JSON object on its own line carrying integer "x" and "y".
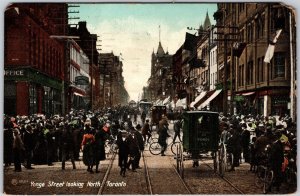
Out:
{"x": 238, "y": 48}
{"x": 271, "y": 48}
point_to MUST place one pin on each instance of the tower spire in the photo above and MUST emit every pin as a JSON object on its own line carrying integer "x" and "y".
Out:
{"x": 159, "y": 32}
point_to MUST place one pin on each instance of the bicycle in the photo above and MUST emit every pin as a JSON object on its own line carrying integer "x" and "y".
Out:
{"x": 111, "y": 145}
{"x": 225, "y": 157}
{"x": 290, "y": 173}
{"x": 153, "y": 138}
{"x": 264, "y": 176}
{"x": 155, "y": 148}
{"x": 228, "y": 160}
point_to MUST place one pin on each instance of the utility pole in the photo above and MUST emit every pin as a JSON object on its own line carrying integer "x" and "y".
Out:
{"x": 227, "y": 40}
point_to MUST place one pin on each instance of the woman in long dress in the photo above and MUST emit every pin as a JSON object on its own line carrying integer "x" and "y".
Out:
{"x": 87, "y": 145}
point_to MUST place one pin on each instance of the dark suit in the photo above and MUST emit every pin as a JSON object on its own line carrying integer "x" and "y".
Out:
{"x": 140, "y": 141}
{"x": 123, "y": 146}
{"x": 134, "y": 150}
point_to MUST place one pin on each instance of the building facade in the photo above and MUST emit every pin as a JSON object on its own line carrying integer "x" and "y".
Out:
{"x": 159, "y": 83}
{"x": 34, "y": 62}
{"x": 78, "y": 78}
{"x": 88, "y": 43}
{"x": 112, "y": 84}
{"x": 258, "y": 86}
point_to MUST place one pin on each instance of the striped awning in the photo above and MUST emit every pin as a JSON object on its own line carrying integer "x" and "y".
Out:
{"x": 207, "y": 101}
{"x": 198, "y": 98}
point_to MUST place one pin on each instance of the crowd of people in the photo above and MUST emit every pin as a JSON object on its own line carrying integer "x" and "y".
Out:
{"x": 259, "y": 140}
{"x": 38, "y": 139}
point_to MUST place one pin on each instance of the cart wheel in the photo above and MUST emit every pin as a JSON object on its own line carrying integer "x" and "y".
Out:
{"x": 177, "y": 158}
{"x": 216, "y": 161}
{"x": 229, "y": 160}
{"x": 155, "y": 148}
{"x": 222, "y": 163}
{"x": 174, "y": 147}
{"x": 181, "y": 165}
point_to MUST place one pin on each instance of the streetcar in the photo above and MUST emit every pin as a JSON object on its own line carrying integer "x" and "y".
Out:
{"x": 201, "y": 140}
{"x": 145, "y": 106}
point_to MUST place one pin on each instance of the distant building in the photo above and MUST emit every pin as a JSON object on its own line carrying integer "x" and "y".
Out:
{"x": 111, "y": 79}
{"x": 159, "y": 83}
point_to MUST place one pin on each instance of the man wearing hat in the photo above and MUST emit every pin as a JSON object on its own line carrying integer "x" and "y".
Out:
{"x": 123, "y": 145}
{"x": 163, "y": 134}
{"x": 18, "y": 147}
{"x": 29, "y": 144}
{"x": 146, "y": 131}
{"x": 134, "y": 151}
{"x": 276, "y": 159}
{"x": 67, "y": 144}
{"x": 140, "y": 141}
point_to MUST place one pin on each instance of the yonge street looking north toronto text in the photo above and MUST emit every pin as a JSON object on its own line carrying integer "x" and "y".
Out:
{"x": 149, "y": 98}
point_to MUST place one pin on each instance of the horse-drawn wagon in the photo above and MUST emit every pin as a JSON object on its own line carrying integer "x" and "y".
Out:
{"x": 201, "y": 140}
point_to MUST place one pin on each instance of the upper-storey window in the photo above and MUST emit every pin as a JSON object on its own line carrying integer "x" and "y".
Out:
{"x": 278, "y": 65}
{"x": 241, "y": 7}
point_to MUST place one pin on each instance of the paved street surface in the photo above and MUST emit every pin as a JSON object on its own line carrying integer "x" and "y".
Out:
{"x": 164, "y": 180}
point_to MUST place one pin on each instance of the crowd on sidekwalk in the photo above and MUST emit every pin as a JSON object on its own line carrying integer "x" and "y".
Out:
{"x": 259, "y": 140}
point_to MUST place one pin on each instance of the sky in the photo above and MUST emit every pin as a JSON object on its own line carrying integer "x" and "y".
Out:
{"x": 131, "y": 31}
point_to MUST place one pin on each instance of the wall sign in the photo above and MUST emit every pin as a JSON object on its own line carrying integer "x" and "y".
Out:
{"x": 14, "y": 72}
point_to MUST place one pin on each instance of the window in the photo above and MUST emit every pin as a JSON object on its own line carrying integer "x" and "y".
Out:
{"x": 43, "y": 55}
{"x": 279, "y": 65}
{"x": 262, "y": 29}
{"x": 32, "y": 100}
{"x": 242, "y": 35}
{"x": 257, "y": 27}
{"x": 48, "y": 101}
{"x": 278, "y": 15}
{"x": 241, "y": 75}
{"x": 250, "y": 33}
{"x": 249, "y": 78}
{"x": 241, "y": 7}
{"x": 260, "y": 70}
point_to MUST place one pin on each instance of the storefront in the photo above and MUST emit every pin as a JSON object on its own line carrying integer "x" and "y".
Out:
{"x": 27, "y": 91}
{"x": 78, "y": 98}
{"x": 245, "y": 103}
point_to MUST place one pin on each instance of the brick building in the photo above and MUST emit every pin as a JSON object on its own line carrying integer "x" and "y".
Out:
{"x": 112, "y": 84}
{"x": 34, "y": 62}
{"x": 248, "y": 28}
{"x": 161, "y": 75}
{"x": 88, "y": 43}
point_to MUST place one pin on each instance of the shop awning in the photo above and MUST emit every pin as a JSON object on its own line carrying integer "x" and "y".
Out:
{"x": 248, "y": 93}
{"x": 78, "y": 94}
{"x": 207, "y": 101}
{"x": 167, "y": 100}
{"x": 198, "y": 98}
{"x": 158, "y": 102}
{"x": 181, "y": 103}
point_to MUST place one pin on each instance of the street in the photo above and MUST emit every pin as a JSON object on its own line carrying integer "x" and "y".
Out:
{"x": 161, "y": 171}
